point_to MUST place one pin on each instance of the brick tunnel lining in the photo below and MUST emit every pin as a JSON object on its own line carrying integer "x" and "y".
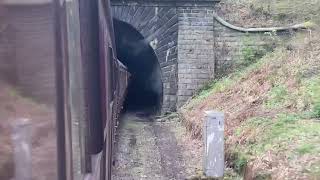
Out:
{"x": 145, "y": 89}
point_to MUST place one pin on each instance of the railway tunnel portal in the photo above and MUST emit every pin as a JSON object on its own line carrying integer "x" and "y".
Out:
{"x": 175, "y": 35}
{"x": 145, "y": 87}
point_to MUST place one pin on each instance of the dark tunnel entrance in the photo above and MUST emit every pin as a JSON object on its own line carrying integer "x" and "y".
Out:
{"x": 145, "y": 87}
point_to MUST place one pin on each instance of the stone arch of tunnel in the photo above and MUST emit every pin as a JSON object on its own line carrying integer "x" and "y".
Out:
{"x": 159, "y": 28}
{"x": 145, "y": 90}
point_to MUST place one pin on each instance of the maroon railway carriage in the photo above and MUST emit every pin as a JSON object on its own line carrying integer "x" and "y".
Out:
{"x": 91, "y": 85}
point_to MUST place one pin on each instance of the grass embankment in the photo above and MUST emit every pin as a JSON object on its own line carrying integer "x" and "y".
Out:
{"x": 262, "y": 13}
{"x": 272, "y": 110}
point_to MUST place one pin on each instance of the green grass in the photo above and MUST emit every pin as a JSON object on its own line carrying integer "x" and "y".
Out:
{"x": 313, "y": 89}
{"x": 230, "y": 174}
{"x": 305, "y": 148}
{"x": 211, "y": 87}
{"x": 287, "y": 134}
{"x": 241, "y": 161}
{"x": 277, "y": 97}
{"x": 306, "y": 97}
{"x": 293, "y": 10}
{"x": 280, "y": 134}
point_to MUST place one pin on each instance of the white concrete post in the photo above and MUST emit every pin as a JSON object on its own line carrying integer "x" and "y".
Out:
{"x": 214, "y": 144}
{"x": 21, "y": 140}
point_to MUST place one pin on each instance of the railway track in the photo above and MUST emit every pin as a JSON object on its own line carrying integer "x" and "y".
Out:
{"x": 148, "y": 148}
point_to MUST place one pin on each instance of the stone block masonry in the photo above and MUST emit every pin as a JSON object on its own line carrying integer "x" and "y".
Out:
{"x": 195, "y": 50}
{"x": 230, "y": 46}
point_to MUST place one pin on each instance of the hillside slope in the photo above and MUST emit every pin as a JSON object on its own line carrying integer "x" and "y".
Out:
{"x": 267, "y": 13}
{"x": 272, "y": 111}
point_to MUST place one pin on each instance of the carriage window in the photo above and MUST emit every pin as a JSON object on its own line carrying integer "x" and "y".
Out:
{"x": 27, "y": 91}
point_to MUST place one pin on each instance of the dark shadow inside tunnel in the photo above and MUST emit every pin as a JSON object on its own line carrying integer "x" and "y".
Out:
{"x": 145, "y": 86}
